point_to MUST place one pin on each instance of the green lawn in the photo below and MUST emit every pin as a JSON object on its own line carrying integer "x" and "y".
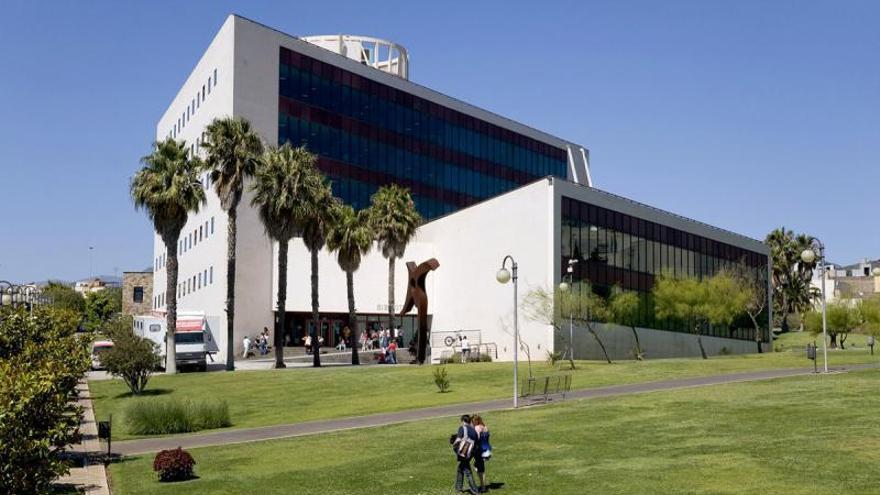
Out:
{"x": 798, "y": 340}
{"x": 260, "y": 398}
{"x": 802, "y": 435}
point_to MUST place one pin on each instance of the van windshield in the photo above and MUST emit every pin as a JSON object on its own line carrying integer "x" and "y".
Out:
{"x": 189, "y": 337}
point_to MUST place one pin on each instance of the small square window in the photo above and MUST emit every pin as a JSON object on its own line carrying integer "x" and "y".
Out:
{"x": 138, "y": 294}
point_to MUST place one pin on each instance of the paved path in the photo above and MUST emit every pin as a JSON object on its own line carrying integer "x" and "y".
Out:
{"x": 90, "y": 478}
{"x": 131, "y": 447}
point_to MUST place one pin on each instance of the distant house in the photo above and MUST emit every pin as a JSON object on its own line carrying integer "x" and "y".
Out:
{"x": 853, "y": 282}
{"x": 137, "y": 293}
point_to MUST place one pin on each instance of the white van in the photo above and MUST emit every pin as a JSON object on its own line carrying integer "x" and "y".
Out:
{"x": 191, "y": 339}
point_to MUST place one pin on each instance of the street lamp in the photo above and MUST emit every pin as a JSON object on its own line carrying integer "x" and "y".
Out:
{"x": 809, "y": 256}
{"x": 565, "y": 287}
{"x": 503, "y": 276}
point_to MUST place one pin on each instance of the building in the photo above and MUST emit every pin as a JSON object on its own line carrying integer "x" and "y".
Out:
{"x": 95, "y": 284}
{"x": 849, "y": 282}
{"x": 487, "y": 185}
{"x": 137, "y": 293}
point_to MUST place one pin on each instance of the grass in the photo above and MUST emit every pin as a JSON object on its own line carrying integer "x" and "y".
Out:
{"x": 261, "y": 398}
{"x": 801, "y": 435}
{"x": 798, "y": 340}
{"x": 166, "y": 416}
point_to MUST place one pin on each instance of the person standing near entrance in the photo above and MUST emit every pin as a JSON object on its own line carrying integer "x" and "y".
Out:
{"x": 465, "y": 350}
{"x": 464, "y": 444}
{"x": 392, "y": 352}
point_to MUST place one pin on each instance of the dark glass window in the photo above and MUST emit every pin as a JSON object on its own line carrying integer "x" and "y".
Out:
{"x": 367, "y": 134}
{"x": 618, "y": 249}
{"x": 138, "y": 294}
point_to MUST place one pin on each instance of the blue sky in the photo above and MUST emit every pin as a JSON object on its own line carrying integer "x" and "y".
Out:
{"x": 744, "y": 114}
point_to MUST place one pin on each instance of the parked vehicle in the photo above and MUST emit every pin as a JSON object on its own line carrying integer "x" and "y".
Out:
{"x": 99, "y": 347}
{"x": 190, "y": 339}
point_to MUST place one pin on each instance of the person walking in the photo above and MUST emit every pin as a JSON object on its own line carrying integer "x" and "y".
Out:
{"x": 392, "y": 352}
{"x": 484, "y": 452}
{"x": 464, "y": 444}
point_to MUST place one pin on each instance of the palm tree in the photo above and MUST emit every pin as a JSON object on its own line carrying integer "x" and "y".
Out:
{"x": 233, "y": 152}
{"x": 789, "y": 274}
{"x": 394, "y": 220}
{"x": 314, "y": 219}
{"x": 168, "y": 188}
{"x": 277, "y": 189}
{"x": 350, "y": 236}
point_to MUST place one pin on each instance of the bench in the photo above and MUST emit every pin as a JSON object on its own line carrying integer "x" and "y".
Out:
{"x": 543, "y": 388}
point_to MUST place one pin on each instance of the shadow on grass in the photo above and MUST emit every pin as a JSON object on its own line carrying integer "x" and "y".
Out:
{"x": 150, "y": 392}
{"x": 495, "y": 485}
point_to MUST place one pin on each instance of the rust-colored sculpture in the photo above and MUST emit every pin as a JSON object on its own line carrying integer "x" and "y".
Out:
{"x": 416, "y": 296}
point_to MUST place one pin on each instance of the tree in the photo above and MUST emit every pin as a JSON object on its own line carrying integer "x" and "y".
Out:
{"x": 63, "y": 296}
{"x": 314, "y": 219}
{"x": 351, "y": 238}
{"x": 790, "y": 276}
{"x": 579, "y": 303}
{"x": 41, "y": 361}
{"x": 842, "y": 318}
{"x": 869, "y": 316}
{"x": 168, "y": 188}
{"x": 623, "y": 309}
{"x": 278, "y": 195}
{"x": 233, "y": 153}
{"x": 716, "y": 300}
{"x": 100, "y": 307}
{"x": 394, "y": 221}
{"x": 757, "y": 303}
{"x": 131, "y": 358}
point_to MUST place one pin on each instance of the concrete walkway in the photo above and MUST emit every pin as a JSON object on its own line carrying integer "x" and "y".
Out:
{"x": 231, "y": 436}
{"x": 90, "y": 477}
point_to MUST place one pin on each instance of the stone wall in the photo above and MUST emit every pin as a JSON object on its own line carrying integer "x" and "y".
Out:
{"x": 130, "y": 280}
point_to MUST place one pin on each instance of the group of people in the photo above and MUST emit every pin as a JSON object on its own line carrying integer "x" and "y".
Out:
{"x": 260, "y": 343}
{"x": 383, "y": 340}
{"x": 471, "y": 444}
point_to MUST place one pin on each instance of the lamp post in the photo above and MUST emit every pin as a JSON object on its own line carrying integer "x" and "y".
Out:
{"x": 565, "y": 287}
{"x": 503, "y": 276}
{"x": 809, "y": 256}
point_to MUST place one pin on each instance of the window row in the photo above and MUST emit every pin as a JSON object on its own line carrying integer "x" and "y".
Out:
{"x": 357, "y": 194}
{"x": 313, "y": 82}
{"x": 159, "y": 301}
{"x": 192, "y": 284}
{"x": 395, "y": 162}
{"x": 192, "y": 239}
{"x": 335, "y": 122}
{"x": 159, "y": 262}
{"x": 194, "y": 105}
{"x": 576, "y": 212}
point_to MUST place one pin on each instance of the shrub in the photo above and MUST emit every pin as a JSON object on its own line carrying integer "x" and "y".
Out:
{"x": 441, "y": 379}
{"x": 41, "y": 362}
{"x": 174, "y": 465}
{"x": 163, "y": 417}
{"x": 132, "y": 358}
{"x": 484, "y": 358}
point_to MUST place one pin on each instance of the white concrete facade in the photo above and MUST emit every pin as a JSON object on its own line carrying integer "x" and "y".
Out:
{"x": 238, "y": 75}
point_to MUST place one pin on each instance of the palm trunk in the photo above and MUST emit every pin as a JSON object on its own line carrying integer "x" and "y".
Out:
{"x": 171, "y": 307}
{"x": 230, "y": 287}
{"x": 700, "y": 341}
{"x": 391, "y": 292}
{"x": 316, "y": 339}
{"x": 282, "y": 303}
{"x": 352, "y": 319}
{"x": 599, "y": 341}
{"x": 638, "y": 344}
